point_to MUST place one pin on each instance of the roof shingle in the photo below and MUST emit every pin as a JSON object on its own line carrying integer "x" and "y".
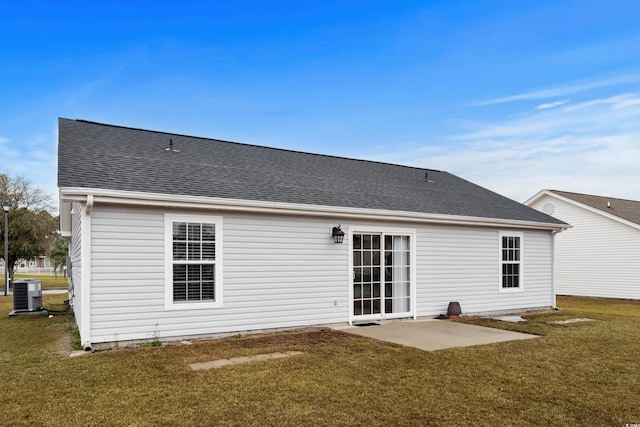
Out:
{"x": 95, "y": 155}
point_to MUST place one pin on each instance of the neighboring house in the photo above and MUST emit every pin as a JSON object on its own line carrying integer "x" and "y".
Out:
{"x": 175, "y": 236}
{"x": 40, "y": 264}
{"x": 600, "y": 255}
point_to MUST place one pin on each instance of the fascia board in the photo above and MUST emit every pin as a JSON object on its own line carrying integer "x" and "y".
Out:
{"x": 252, "y": 206}
{"x": 536, "y": 196}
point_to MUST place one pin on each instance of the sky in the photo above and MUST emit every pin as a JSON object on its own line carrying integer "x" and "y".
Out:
{"x": 516, "y": 96}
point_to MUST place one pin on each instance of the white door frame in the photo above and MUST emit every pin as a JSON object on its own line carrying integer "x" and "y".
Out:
{"x": 382, "y": 230}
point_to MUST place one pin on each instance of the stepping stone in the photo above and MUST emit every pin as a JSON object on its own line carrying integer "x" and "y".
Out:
{"x": 512, "y": 319}
{"x": 566, "y": 322}
{"x": 242, "y": 359}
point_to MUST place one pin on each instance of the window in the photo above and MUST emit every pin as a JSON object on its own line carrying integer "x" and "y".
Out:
{"x": 510, "y": 261}
{"x": 193, "y": 261}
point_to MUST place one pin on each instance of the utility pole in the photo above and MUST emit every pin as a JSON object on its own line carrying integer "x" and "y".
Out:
{"x": 5, "y": 208}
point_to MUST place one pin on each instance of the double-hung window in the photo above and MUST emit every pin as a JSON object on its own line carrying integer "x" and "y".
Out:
{"x": 510, "y": 261}
{"x": 193, "y": 264}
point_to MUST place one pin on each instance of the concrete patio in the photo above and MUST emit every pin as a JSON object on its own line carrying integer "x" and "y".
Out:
{"x": 432, "y": 334}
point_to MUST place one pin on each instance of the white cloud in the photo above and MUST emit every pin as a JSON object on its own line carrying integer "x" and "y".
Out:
{"x": 616, "y": 102}
{"x": 550, "y": 105}
{"x": 34, "y": 158}
{"x": 564, "y": 90}
{"x": 591, "y": 147}
{"x": 599, "y": 116}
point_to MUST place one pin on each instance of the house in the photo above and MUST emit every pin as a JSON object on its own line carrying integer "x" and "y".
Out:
{"x": 600, "y": 255}
{"x": 176, "y": 236}
{"x": 39, "y": 264}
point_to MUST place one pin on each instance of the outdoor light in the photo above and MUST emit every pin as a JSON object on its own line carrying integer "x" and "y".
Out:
{"x": 5, "y": 208}
{"x": 337, "y": 234}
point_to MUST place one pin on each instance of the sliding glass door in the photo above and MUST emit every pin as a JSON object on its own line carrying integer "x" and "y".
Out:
{"x": 381, "y": 276}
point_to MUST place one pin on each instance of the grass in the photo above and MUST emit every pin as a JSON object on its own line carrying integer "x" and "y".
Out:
{"x": 575, "y": 374}
{"x": 48, "y": 281}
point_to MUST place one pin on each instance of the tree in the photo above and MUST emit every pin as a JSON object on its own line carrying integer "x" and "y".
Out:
{"x": 30, "y": 224}
{"x": 58, "y": 251}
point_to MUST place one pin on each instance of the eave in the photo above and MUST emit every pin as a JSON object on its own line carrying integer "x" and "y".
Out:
{"x": 69, "y": 195}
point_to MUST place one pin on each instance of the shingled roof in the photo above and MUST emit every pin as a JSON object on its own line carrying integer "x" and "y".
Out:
{"x": 101, "y": 156}
{"x": 625, "y": 209}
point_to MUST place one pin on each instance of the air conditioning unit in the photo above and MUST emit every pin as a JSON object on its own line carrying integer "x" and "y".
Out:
{"x": 27, "y": 295}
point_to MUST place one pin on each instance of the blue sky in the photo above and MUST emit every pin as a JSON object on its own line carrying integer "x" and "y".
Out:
{"x": 513, "y": 95}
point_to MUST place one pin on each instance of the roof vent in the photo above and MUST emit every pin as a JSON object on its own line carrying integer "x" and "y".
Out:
{"x": 426, "y": 177}
{"x": 171, "y": 147}
{"x": 609, "y": 205}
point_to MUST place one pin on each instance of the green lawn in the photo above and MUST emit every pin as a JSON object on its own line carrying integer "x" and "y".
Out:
{"x": 582, "y": 374}
{"x": 48, "y": 281}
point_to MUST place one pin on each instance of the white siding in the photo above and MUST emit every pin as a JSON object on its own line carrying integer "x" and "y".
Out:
{"x": 461, "y": 264}
{"x": 282, "y": 271}
{"x": 75, "y": 252}
{"x": 598, "y": 257}
{"x": 278, "y": 272}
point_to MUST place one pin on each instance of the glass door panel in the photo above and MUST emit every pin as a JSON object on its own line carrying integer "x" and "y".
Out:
{"x": 366, "y": 274}
{"x": 397, "y": 274}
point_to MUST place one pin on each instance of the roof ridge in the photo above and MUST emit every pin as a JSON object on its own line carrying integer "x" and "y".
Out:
{"x": 255, "y": 145}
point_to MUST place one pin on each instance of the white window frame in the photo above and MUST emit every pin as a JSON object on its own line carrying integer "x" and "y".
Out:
{"x": 169, "y": 219}
{"x": 520, "y": 287}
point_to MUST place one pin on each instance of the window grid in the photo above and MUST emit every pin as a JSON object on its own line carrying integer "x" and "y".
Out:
{"x": 511, "y": 255}
{"x": 193, "y": 261}
{"x": 366, "y": 263}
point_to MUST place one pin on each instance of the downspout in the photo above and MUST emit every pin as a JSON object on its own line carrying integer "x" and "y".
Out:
{"x": 89, "y": 204}
{"x": 553, "y": 268}
{"x": 85, "y": 238}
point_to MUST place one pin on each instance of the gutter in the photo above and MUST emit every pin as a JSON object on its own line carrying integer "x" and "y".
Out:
{"x": 93, "y": 195}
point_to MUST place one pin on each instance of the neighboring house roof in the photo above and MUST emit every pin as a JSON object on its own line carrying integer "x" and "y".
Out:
{"x": 100, "y": 156}
{"x": 626, "y": 210}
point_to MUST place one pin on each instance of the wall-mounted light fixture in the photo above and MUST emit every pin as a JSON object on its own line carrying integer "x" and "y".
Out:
{"x": 337, "y": 234}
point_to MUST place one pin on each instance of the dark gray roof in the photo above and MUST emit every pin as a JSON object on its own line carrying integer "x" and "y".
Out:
{"x": 96, "y": 155}
{"x": 625, "y": 209}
